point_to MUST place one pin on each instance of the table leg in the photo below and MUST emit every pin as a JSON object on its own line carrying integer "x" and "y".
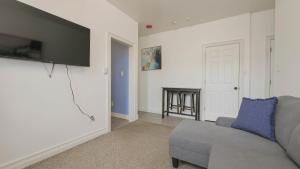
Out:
{"x": 199, "y": 108}
{"x": 163, "y": 103}
{"x": 196, "y": 111}
{"x": 192, "y": 104}
{"x": 178, "y": 103}
{"x": 168, "y": 103}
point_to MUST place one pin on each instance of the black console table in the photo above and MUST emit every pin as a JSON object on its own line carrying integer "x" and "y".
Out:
{"x": 165, "y": 99}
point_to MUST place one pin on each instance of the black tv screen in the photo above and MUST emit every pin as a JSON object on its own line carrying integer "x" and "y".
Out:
{"x": 20, "y": 48}
{"x": 28, "y": 33}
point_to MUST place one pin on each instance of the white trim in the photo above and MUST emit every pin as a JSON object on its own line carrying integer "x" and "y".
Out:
{"x": 243, "y": 83}
{"x": 269, "y": 66}
{"x": 180, "y": 116}
{"x": 119, "y": 115}
{"x": 133, "y": 79}
{"x": 49, "y": 152}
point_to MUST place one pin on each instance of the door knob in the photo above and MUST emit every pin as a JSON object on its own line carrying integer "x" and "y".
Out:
{"x": 235, "y": 88}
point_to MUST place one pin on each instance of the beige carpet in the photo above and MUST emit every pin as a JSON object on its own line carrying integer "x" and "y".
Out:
{"x": 118, "y": 123}
{"x": 139, "y": 145}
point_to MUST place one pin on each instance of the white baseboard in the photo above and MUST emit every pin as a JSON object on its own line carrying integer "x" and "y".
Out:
{"x": 182, "y": 116}
{"x": 173, "y": 115}
{"x": 49, "y": 152}
{"x": 121, "y": 116}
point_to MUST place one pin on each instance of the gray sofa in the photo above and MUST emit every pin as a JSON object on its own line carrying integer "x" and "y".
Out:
{"x": 218, "y": 146}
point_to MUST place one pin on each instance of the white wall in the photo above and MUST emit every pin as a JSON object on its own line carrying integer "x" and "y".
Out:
{"x": 37, "y": 113}
{"x": 182, "y": 55}
{"x": 287, "y": 52}
{"x": 262, "y": 26}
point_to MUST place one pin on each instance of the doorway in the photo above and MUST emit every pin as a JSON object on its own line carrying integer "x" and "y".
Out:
{"x": 122, "y": 82}
{"x": 119, "y": 83}
{"x": 270, "y": 58}
{"x": 221, "y": 84}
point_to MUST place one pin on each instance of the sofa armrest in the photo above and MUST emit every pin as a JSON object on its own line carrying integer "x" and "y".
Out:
{"x": 225, "y": 121}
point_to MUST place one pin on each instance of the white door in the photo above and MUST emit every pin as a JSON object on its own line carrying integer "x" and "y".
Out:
{"x": 221, "y": 81}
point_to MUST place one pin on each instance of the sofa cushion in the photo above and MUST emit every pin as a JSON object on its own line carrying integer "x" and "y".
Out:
{"x": 225, "y": 121}
{"x": 287, "y": 117}
{"x": 257, "y": 116}
{"x": 199, "y": 137}
{"x": 293, "y": 148}
{"x": 222, "y": 157}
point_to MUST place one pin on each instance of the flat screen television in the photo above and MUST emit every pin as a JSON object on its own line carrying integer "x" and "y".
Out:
{"x": 20, "y": 48}
{"x": 28, "y": 33}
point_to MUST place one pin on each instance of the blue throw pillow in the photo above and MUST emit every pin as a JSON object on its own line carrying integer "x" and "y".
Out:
{"x": 257, "y": 117}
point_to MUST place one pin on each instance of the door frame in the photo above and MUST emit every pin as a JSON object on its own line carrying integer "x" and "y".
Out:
{"x": 270, "y": 63}
{"x": 242, "y": 86}
{"x": 133, "y": 79}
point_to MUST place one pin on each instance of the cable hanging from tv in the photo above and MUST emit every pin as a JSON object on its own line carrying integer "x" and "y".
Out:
{"x": 91, "y": 117}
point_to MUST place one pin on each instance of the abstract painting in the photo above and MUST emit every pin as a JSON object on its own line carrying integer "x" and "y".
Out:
{"x": 151, "y": 58}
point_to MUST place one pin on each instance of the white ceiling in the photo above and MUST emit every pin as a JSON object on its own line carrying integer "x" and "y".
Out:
{"x": 163, "y": 13}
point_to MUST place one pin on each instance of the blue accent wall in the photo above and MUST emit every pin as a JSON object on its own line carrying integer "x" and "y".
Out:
{"x": 120, "y": 63}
